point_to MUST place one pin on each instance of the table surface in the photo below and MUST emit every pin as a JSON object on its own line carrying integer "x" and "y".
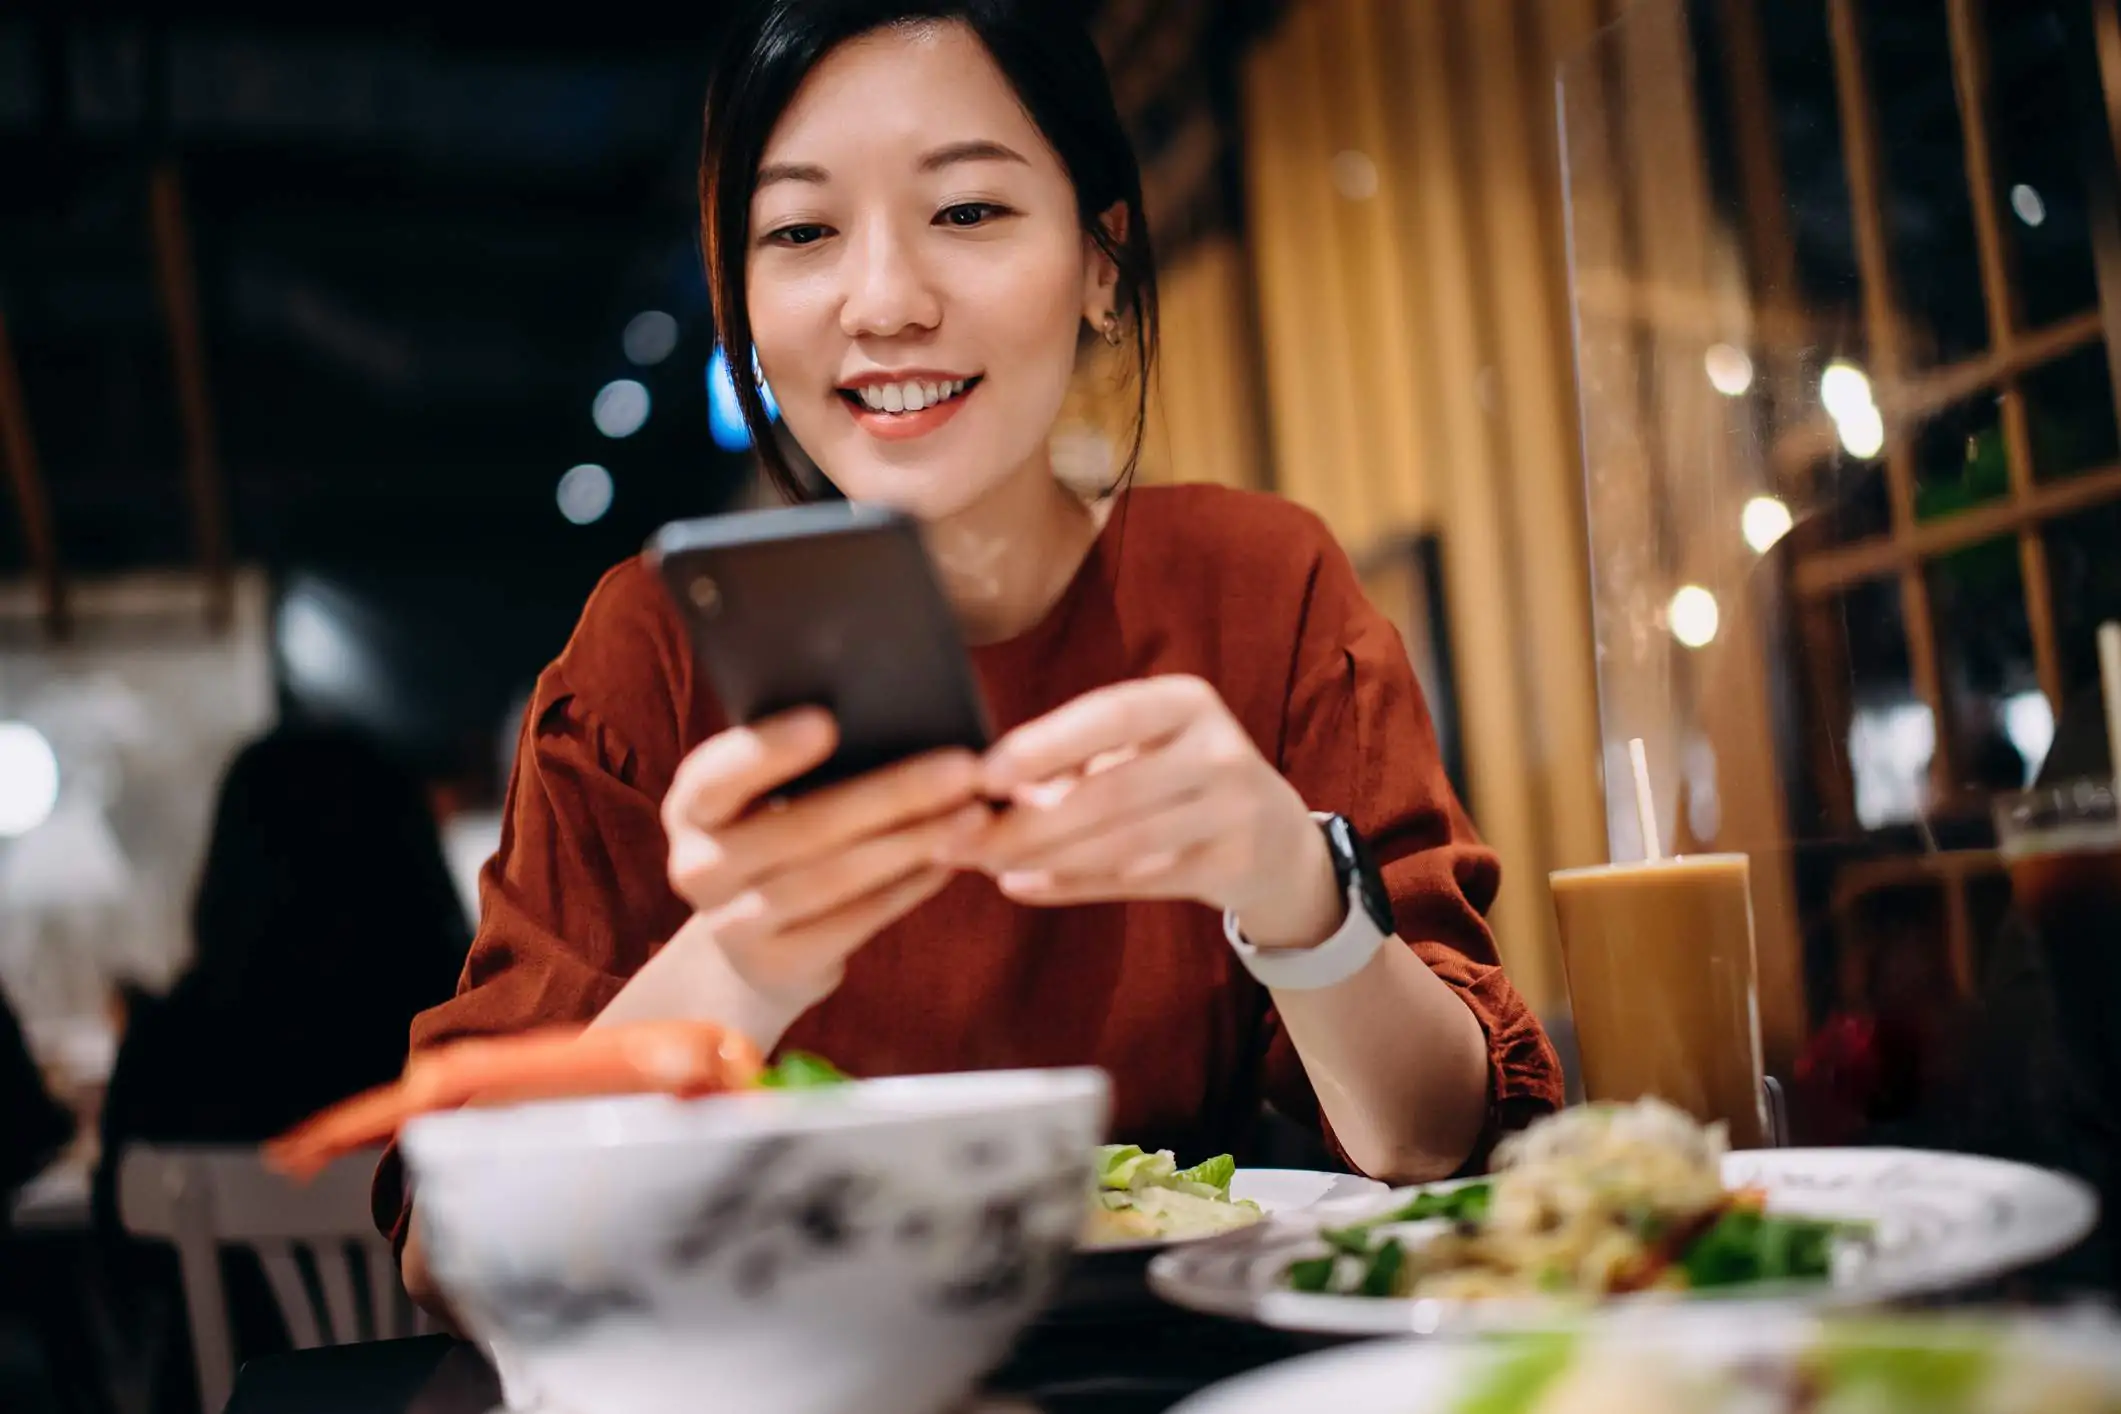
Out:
{"x": 1140, "y": 1366}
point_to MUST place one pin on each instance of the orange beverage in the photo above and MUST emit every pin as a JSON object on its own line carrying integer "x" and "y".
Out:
{"x": 1664, "y": 987}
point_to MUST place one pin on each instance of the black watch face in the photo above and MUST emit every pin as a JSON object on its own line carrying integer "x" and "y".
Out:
{"x": 1355, "y": 865}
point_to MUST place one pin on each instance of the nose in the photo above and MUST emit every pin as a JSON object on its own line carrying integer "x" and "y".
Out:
{"x": 887, "y": 292}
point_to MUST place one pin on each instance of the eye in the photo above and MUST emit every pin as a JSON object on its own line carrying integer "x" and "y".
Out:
{"x": 798, "y": 235}
{"x": 969, "y": 215}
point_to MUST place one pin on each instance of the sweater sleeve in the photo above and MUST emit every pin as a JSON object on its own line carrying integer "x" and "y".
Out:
{"x": 1358, "y": 741}
{"x": 576, "y": 898}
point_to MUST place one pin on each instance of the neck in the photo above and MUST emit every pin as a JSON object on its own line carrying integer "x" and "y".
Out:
{"x": 1006, "y": 559}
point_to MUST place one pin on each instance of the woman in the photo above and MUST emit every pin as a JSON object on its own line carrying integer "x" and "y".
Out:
{"x": 917, "y": 214}
{"x": 325, "y": 921}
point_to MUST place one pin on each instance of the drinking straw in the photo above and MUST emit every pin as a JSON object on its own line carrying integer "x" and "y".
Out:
{"x": 2110, "y": 685}
{"x": 1646, "y": 804}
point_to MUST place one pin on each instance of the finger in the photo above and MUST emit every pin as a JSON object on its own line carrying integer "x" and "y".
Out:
{"x": 823, "y": 945}
{"x": 1054, "y": 789}
{"x": 1182, "y": 874}
{"x": 793, "y": 897}
{"x": 733, "y": 768}
{"x": 1040, "y": 822}
{"x": 1107, "y": 719}
{"x": 880, "y": 802}
{"x": 1126, "y": 844}
{"x": 710, "y": 868}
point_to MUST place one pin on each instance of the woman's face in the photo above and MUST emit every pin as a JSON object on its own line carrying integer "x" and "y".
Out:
{"x": 918, "y": 273}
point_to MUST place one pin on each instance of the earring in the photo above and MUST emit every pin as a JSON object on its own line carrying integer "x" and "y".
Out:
{"x": 1109, "y": 328}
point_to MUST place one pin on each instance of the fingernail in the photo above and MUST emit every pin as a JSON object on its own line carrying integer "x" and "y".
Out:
{"x": 1044, "y": 795}
{"x": 746, "y": 907}
{"x": 1106, "y": 760}
{"x": 1025, "y": 881}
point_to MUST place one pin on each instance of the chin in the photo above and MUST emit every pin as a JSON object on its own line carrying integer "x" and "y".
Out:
{"x": 927, "y": 494}
{"x": 930, "y": 489}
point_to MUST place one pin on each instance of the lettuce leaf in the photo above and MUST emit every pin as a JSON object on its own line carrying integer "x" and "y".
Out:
{"x": 799, "y": 1070}
{"x": 1214, "y": 1174}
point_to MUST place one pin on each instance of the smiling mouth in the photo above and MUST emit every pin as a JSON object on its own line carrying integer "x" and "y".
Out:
{"x": 911, "y": 396}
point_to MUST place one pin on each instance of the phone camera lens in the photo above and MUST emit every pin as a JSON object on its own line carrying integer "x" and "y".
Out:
{"x": 706, "y": 595}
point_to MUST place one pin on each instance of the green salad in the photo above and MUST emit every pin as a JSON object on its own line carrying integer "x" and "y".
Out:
{"x": 799, "y": 1070}
{"x": 1597, "y": 1201}
{"x": 1862, "y": 1367}
{"x": 1144, "y": 1196}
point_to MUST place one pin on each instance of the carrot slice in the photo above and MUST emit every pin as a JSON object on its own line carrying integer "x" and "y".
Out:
{"x": 1667, "y": 1250}
{"x": 683, "y": 1058}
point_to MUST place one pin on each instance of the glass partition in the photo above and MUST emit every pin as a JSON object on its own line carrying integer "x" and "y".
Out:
{"x": 1842, "y": 311}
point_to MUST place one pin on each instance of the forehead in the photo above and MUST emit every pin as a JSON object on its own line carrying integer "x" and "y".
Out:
{"x": 906, "y": 88}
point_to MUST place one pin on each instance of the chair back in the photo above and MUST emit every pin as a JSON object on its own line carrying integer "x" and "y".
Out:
{"x": 332, "y": 1274}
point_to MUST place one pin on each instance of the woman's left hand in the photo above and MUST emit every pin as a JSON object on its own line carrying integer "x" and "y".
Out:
{"x": 1151, "y": 789}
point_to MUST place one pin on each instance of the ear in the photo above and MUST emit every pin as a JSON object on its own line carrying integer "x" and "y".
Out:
{"x": 1100, "y": 275}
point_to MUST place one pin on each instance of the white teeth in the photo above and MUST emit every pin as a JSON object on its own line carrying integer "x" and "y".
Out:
{"x": 909, "y": 397}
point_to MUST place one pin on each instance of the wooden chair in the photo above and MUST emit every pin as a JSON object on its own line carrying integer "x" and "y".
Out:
{"x": 200, "y": 1199}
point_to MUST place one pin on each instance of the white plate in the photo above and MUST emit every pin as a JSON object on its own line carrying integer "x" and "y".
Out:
{"x": 1435, "y": 1377}
{"x": 1284, "y": 1193}
{"x": 1940, "y": 1222}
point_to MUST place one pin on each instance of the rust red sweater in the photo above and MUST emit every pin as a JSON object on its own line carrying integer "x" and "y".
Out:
{"x": 1247, "y": 591}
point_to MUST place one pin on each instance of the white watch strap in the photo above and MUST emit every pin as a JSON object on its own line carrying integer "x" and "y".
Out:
{"x": 1332, "y": 962}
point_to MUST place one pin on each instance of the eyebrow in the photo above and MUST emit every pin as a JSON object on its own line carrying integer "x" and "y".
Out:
{"x": 977, "y": 150}
{"x": 949, "y": 155}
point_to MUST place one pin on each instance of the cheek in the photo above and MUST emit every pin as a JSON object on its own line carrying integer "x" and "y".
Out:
{"x": 787, "y": 317}
{"x": 1036, "y": 315}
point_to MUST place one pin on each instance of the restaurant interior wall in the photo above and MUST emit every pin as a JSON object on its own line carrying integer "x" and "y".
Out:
{"x": 1395, "y": 304}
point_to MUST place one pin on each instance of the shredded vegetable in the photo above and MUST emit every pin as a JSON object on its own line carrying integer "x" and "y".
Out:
{"x": 1596, "y": 1201}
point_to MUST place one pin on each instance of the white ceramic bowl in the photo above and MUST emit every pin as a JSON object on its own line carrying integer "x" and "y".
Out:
{"x": 872, "y": 1247}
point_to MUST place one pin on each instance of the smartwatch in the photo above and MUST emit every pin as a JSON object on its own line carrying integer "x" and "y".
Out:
{"x": 1363, "y": 930}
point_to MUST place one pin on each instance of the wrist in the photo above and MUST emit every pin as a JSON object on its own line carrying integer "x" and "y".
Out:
{"x": 1300, "y": 904}
{"x": 693, "y": 977}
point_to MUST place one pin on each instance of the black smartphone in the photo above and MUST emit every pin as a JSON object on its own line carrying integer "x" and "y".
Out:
{"x": 834, "y": 605}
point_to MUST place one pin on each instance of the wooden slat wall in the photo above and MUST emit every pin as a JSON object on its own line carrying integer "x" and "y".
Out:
{"x": 1206, "y": 419}
{"x": 1404, "y": 221}
{"x": 1205, "y": 411}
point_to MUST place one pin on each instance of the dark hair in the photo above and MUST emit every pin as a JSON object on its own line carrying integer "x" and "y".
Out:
{"x": 1047, "y": 56}
{"x": 324, "y": 874}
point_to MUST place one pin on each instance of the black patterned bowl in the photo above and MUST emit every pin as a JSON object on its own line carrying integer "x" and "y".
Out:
{"x": 872, "y": 1247}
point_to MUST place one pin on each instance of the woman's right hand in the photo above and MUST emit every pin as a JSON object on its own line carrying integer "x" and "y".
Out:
{"x": 787, "y": 891}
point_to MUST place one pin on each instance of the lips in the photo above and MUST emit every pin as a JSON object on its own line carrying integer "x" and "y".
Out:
{"x": 897, "y": 409}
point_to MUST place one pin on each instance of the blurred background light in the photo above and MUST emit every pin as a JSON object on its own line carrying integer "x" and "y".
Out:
{"x": 1730, "y": 370}
{"x": 621, "y": 408}
{"x": 650, "y": 337}
{"x": 1862, "y": 432}
{"x": 2029, "y": 721}
{"x": 319, "y": 654}
{"x": 585, "y": 493}
{"x": 2029, "y": 204}
{"x": 1355, "y": 175}
{"x": 29, "y": 779}
{"x": 1845, "y": 389}
{"x": 1764, "y": 521}
{"x": 725, "y": 420}
{"x": 1694, "y": 616}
